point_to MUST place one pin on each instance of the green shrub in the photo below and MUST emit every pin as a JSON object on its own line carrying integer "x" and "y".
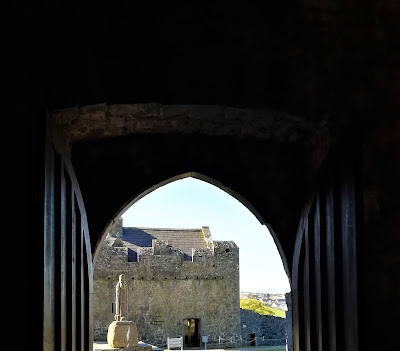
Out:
{"x": 258, "y": 307}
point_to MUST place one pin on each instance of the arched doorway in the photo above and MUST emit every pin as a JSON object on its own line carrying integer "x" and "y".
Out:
{"x": 215, "y": 183}
{"x": 277, "y": 195}
{"x": 201, "y": 322}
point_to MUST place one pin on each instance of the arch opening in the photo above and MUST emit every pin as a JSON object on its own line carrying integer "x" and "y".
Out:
{"x": 194, "y": 277}
{"x": 210, "y": 181}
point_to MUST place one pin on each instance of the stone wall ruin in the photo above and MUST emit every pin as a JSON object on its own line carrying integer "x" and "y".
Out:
{"x": 164, "y": 289}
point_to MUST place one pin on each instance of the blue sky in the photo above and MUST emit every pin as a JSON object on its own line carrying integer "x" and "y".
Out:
{"x": 192, "y": 203}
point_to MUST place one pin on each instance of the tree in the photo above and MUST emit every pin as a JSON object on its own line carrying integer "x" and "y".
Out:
{"x": 256, "y": 306}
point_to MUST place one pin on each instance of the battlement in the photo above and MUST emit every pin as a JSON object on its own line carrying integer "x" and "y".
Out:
{"x": 166, "y": 270}
{"x": 156, "y": 253}
{"x": 189, "y": 244}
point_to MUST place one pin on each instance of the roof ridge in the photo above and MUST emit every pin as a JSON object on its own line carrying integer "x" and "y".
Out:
{"x": 166, "y": 229}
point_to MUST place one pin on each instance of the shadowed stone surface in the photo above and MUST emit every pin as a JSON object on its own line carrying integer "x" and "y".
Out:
{"x": 327, "y": 61}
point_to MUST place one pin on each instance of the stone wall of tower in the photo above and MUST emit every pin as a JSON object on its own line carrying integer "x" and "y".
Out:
{"x": 164, "y": 290}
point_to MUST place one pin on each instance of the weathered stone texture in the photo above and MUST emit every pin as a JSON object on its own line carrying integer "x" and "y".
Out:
{"x": 163, "y": 290}
{"x": 83, "y": 123}
{"x": 268, "y": 330}
{"x": 122, "y": 334}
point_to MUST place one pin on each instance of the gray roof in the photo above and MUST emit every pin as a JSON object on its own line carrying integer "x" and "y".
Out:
{"x": 184, "y": 239}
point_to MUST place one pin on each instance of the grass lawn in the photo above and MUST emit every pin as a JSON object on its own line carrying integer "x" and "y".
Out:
{"x": 258, "y": 307}
{"x": 278, "y": 313}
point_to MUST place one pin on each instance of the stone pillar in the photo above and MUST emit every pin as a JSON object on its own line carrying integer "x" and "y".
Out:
{"x": 120, "y": 227}
{"x": 289, "y": 322}
{"x": 122, "y": 333}
{"x": 121, "y": 299}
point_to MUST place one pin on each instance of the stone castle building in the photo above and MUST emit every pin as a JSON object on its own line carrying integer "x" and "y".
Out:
{"x": 180, "y": 283}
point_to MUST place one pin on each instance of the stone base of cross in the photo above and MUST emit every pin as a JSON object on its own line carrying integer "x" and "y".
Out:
{"x": 122, "y": 334}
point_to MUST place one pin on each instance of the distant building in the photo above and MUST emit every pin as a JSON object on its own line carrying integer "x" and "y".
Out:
{"x": 277, "y": 301}
{"x": 180, "y": 283}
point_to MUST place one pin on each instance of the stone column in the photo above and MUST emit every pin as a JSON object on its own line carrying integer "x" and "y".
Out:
{"x": 121, "y": 332}
{"x": 289, "y": 322}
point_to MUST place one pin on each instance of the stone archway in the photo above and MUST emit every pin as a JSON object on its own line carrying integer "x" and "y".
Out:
{"x": 270, "y": 158}
{"x": 105, "y": 270}
{"x": 215, "y": 183}
{"x": 274, "y": 151}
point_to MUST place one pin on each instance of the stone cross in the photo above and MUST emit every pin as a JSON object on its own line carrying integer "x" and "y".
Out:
{"x": 122, "y": 333}
{"x": 121, "y": 299}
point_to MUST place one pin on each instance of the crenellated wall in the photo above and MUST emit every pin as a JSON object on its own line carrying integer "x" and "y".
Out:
{"x": 164, "y": 290}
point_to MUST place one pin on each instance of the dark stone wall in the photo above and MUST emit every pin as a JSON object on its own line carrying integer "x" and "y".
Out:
{"x": 151, "y": 159}
{"x": 325, "y": 59}
{"x": 268, "y": 330}
{"x": 379, "y": 244}
{"x": 332, "y": 61}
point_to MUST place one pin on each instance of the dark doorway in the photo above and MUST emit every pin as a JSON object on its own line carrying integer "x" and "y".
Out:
{"x": 251, "y": 339}
{"x": 191, "y": 333}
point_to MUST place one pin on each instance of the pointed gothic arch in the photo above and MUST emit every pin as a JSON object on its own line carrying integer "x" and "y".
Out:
{"x": 210, "y": 181}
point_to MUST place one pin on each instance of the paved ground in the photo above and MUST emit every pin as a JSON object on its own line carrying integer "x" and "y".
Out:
{"x": 102, "y": 345}
{"x": 255, "y": 348}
